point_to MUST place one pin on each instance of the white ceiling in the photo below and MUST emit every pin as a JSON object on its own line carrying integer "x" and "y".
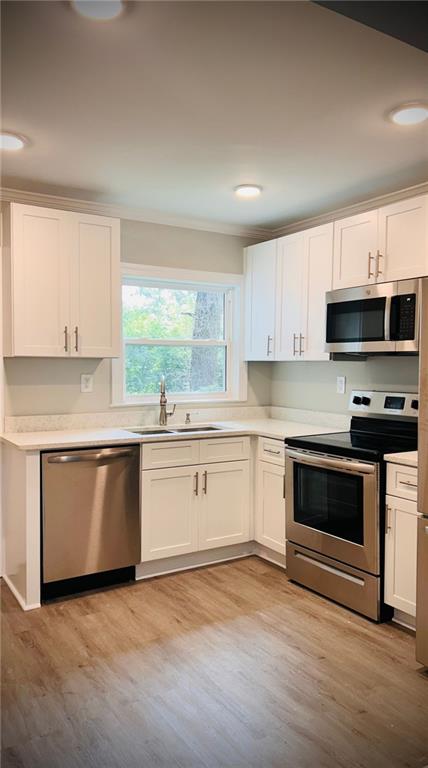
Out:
{"x": 173, "y": 104}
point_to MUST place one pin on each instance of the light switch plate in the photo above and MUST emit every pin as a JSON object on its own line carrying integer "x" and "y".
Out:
{"x": 341, "y": 385}
{"x": 86, "y": 382}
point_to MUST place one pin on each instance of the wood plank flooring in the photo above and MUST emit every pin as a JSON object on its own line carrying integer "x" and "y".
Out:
{"x": 226, "y": 667}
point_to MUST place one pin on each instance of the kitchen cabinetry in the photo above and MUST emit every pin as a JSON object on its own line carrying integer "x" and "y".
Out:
{"x": 270, "y": 495}
{"x": 389, "y": 243}
{"x": 260, "y": 290}
{"x": 305, "y": 262}
{"x": 194, "y": 507}
{"x": 401, "y": 539}
{"x": 61, "y": 283}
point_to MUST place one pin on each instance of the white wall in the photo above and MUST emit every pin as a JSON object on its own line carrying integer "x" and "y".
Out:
{"x": 47, "y": 386}
{"x": 313, "y": 385}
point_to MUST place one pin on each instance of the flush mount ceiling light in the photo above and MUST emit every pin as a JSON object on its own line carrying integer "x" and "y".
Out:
{"x": 11, "y": 141}
{"x": 248, "y": 191}
{"x": 100, "y": 10}
{"x": 409, "y": 114}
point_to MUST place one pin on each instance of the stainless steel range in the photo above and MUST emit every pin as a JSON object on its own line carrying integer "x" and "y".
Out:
{"x": 335, "y": 501}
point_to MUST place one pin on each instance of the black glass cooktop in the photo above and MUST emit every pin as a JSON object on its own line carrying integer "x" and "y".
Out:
{"x": 367, "y": 439}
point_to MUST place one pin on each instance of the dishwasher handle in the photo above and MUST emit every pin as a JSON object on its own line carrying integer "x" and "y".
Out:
{"x": 70, "y": 457}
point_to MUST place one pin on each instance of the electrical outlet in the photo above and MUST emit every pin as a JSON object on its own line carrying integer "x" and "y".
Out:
{"x": 86, "y": 382}
{"x": 341, "y": 385}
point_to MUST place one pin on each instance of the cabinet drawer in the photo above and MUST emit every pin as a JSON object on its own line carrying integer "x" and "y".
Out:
{"x": 271, "y": 450}
{"x": 176, "y": 453}
{"x": 402, "y": 481}
{"x": 224, "y": 449}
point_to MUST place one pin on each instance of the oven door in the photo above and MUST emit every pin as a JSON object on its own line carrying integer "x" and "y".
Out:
{"x": 332, "y": 507}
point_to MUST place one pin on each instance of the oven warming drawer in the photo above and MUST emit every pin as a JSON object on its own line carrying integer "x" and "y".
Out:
{"x": 345, "y": 585}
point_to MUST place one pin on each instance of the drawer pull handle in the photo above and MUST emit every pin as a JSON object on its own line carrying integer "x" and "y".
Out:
{"x": 408, "y": 482}
{"x": 270, "y": 450}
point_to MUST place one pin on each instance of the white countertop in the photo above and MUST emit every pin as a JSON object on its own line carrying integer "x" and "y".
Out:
{"x": 45, "y": 441}
{"x": 409, "y": 458}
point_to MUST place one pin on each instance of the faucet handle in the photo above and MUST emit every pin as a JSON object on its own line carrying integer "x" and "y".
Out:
{"x": 171, "y": 413}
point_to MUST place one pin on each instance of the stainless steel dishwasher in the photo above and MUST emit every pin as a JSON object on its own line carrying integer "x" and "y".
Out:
{"x": 91, "y": 511}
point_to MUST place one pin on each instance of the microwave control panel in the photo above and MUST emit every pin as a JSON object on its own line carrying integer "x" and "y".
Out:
{"x": 375, "y": 403}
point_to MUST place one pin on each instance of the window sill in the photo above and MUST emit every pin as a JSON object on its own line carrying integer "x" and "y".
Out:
{"x": 178, "y": 403}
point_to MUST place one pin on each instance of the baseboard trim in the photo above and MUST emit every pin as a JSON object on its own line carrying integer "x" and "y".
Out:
{"x": 404, "y": 620}
{"x": 167, "y": 565}
{"x": 18, "y": 597}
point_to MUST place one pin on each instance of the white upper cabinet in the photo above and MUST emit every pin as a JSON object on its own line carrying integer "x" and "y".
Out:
{"x": 61, "y": 283}
{"x": 304, "y": 276}
{"x": 260, "y": 278}
{"x": 317, "y": 281}
{"x": 96, "y": 286}
{"x": 389, "y": 243}
{"x": 355, "y": 247}
{"x": 290, "y": 296}
{"x": 403, "y": 239}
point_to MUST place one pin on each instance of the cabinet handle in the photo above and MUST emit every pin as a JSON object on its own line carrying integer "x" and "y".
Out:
{"x": 205, "y": 486}
{"x": 301, "y": 350}
{"x": 270, "y": 450}
{"x": 196, "y": 488}
{"x": 268, "y": 349}
{"x": 388, "y": 519}
{"x": 408, "y": 482}
{"x": 283, "y": 486}
{"x": 65, "y": 338}
{"x": 76, "y": 339}
{"x": 370, "y": 273}
{"x": 294, "y": 344}
{"x": 379, "y": 255}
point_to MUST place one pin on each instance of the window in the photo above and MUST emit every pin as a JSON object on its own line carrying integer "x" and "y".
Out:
{"x": 185, "y": 329}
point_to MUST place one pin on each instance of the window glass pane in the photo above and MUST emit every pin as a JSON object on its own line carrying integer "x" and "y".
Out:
{"x": 172, "y": 313}
{"x": 186, "y": 369}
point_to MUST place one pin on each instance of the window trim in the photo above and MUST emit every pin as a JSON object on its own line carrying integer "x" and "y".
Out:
{"x": 233, "y": 285}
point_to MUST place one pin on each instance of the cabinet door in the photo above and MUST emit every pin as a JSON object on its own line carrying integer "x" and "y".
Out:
{"x": 96, "y": 287}
{"x": 403, "y": 239}
{"x": 169, "y": 512}
{"x": 260, "y": 280}
{"x": 41, "y": 239}
{"x": 270, "y": 506}
{"x": 291, "y": 270}
{"x": 355, "y": 247}
{"x": 224, "y": 511}
{"x": 400, "y": 554}
{"x": 317, "y": 281}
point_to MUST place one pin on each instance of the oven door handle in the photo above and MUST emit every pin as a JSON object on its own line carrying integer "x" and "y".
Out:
{"x": 342, "y": 464}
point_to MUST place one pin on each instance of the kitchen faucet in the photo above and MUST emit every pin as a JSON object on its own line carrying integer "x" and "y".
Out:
{"x": 163, "y": 413}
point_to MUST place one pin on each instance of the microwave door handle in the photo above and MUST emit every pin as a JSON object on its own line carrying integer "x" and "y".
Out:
{"x": 388, "y": 318}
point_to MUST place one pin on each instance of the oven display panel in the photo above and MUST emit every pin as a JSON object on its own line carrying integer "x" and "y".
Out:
{"x": 394, "y": 403}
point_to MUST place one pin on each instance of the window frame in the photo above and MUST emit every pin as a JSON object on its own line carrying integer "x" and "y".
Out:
{"x": 236, "y": 368}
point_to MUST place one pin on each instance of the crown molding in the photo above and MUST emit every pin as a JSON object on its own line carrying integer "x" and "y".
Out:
{"x": 124, "y": 212}
{"x": 157, "y": 217}
{"x": 350, "y": 210}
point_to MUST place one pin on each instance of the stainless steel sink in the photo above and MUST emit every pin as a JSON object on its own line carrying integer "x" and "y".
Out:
{"x": 198, "y": 429}
{"x": 151, "y": 431}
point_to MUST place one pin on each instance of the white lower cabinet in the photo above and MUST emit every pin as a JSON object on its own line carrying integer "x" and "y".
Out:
{"x": 224, "y": 511}
{"x": 270, "y": 506}
{"x": 400, "y": 554}
{"x": 169, "y": 512}
{"x": 186, "y": 509}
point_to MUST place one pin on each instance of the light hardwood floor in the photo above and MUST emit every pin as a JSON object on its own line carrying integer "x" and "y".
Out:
{"x": 230, "y": 666}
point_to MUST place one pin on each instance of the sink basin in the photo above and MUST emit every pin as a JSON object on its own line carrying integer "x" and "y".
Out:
{"x": 152, "y": 431}
{"x": 198, "y": 429}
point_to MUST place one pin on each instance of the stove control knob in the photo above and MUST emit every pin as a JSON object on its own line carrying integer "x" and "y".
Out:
{"x": 365, "y": 400}
{"x": 357, "y": 400}
{"x": 415, "y": 405}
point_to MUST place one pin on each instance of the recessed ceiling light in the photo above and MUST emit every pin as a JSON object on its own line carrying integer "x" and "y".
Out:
{"x": 409, "y": 114}
{"x": 100, "y": 10}
{"x": 248, "y": 191}
{"x": 11, "y": 141}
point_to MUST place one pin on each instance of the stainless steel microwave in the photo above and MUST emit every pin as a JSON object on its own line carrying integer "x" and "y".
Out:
{"x": 382, "y": 318}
